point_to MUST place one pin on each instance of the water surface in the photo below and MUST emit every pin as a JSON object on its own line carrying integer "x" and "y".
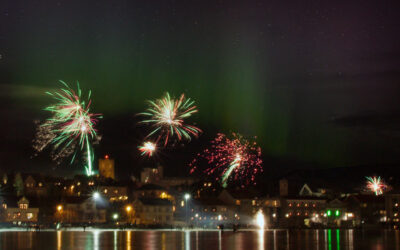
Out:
{"x": 209, "y": 240}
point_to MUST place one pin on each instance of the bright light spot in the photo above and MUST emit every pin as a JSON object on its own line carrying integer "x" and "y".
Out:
{"x": 115, "y": 216}
{"x": 96, "y": 195}
{"x": 187, "y": 196}
{"x": 260, "y": 220}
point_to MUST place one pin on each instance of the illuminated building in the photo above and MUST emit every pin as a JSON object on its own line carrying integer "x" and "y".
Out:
{"x": 151, "y": 175}
{"x": 106, "y": 167}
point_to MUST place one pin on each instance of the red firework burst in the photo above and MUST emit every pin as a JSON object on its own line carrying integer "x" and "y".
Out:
{"x": 230, "y": 159}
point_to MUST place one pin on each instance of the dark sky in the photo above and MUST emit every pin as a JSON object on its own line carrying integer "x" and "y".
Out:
{"x": 317, "y": 81}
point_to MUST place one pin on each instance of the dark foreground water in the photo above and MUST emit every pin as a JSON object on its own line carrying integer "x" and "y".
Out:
{"x": 209, "y": 240}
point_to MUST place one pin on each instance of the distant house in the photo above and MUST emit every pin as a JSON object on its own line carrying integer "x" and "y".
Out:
{"x": 245, "y": 203}
{"x": 80, "y": 210}
{"x": 35, "y": 186}
{"x": 212, "y": 211}
{"x": 20, "y": 214}
{"x": 151, "y": 191}
{"x": 153, "y": 211}
{"x": 369, "y": 209}
{"x": 114, "y": 193}
{"x": 151, "y": 175}
{"x": 392, "y": 207}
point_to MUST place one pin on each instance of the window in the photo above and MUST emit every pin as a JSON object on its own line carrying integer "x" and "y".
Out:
{"x": 29, "y": 216}
{"x": 23, "y": 206}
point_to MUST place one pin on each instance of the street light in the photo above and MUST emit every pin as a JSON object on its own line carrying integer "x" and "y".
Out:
{"x": 187, "y": 197}
{"x": 96, "y": 195}
{"x": 115, "y": 216}
{"x": 59, "y": 208}
{"x": 128, "y": 209}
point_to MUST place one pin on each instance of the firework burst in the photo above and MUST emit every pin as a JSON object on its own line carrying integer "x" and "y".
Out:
{"x": 235, "y": 159}
{"x": 148, "y": 148}
{"x": 71, "y": 124}
{"x": 167, "y": 116}
{"x": 376, "y": 185}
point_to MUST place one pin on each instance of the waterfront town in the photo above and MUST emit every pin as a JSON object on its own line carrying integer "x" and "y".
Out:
{"x": 155, "y": 201}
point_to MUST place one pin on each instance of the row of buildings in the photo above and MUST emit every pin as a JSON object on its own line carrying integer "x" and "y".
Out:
{"x": 179, "y": 202}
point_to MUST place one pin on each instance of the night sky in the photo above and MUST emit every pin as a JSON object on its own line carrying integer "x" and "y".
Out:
{"x": 318, "y": 82}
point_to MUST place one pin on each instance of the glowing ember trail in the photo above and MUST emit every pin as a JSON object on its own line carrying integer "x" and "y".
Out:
{"x": 235, "y": 159}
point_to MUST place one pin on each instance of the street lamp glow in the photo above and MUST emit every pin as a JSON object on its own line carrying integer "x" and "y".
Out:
{"x": 187, "y": 197}
{"x": 59, "y": 208}
{"x": 115, "y": 216}
{"x": 128, "y": 208}
{"x": 96, "y": 195}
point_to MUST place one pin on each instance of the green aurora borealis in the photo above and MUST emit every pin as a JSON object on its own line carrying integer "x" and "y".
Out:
{"x": 248, "y": 69}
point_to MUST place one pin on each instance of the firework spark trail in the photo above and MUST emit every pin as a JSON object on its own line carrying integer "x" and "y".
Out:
{"x": 376, "y": 185}
{"x": 147, "y": 148}
{"x": 167, "y": 116}
{"x": 234, "y": 164}
{"x": 235, "y": 159}
{"x": 71, "y": 123}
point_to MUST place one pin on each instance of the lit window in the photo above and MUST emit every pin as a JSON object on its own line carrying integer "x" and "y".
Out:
{"x": 23, "y": 206}
{"x": 29, "y": 216}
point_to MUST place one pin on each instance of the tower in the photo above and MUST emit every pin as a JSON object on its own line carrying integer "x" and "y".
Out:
{"x": 283, "y": 187}
{"x": 106, "y": 167}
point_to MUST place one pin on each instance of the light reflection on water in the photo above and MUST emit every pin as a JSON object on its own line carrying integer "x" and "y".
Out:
{"x": 329, "y": 239}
